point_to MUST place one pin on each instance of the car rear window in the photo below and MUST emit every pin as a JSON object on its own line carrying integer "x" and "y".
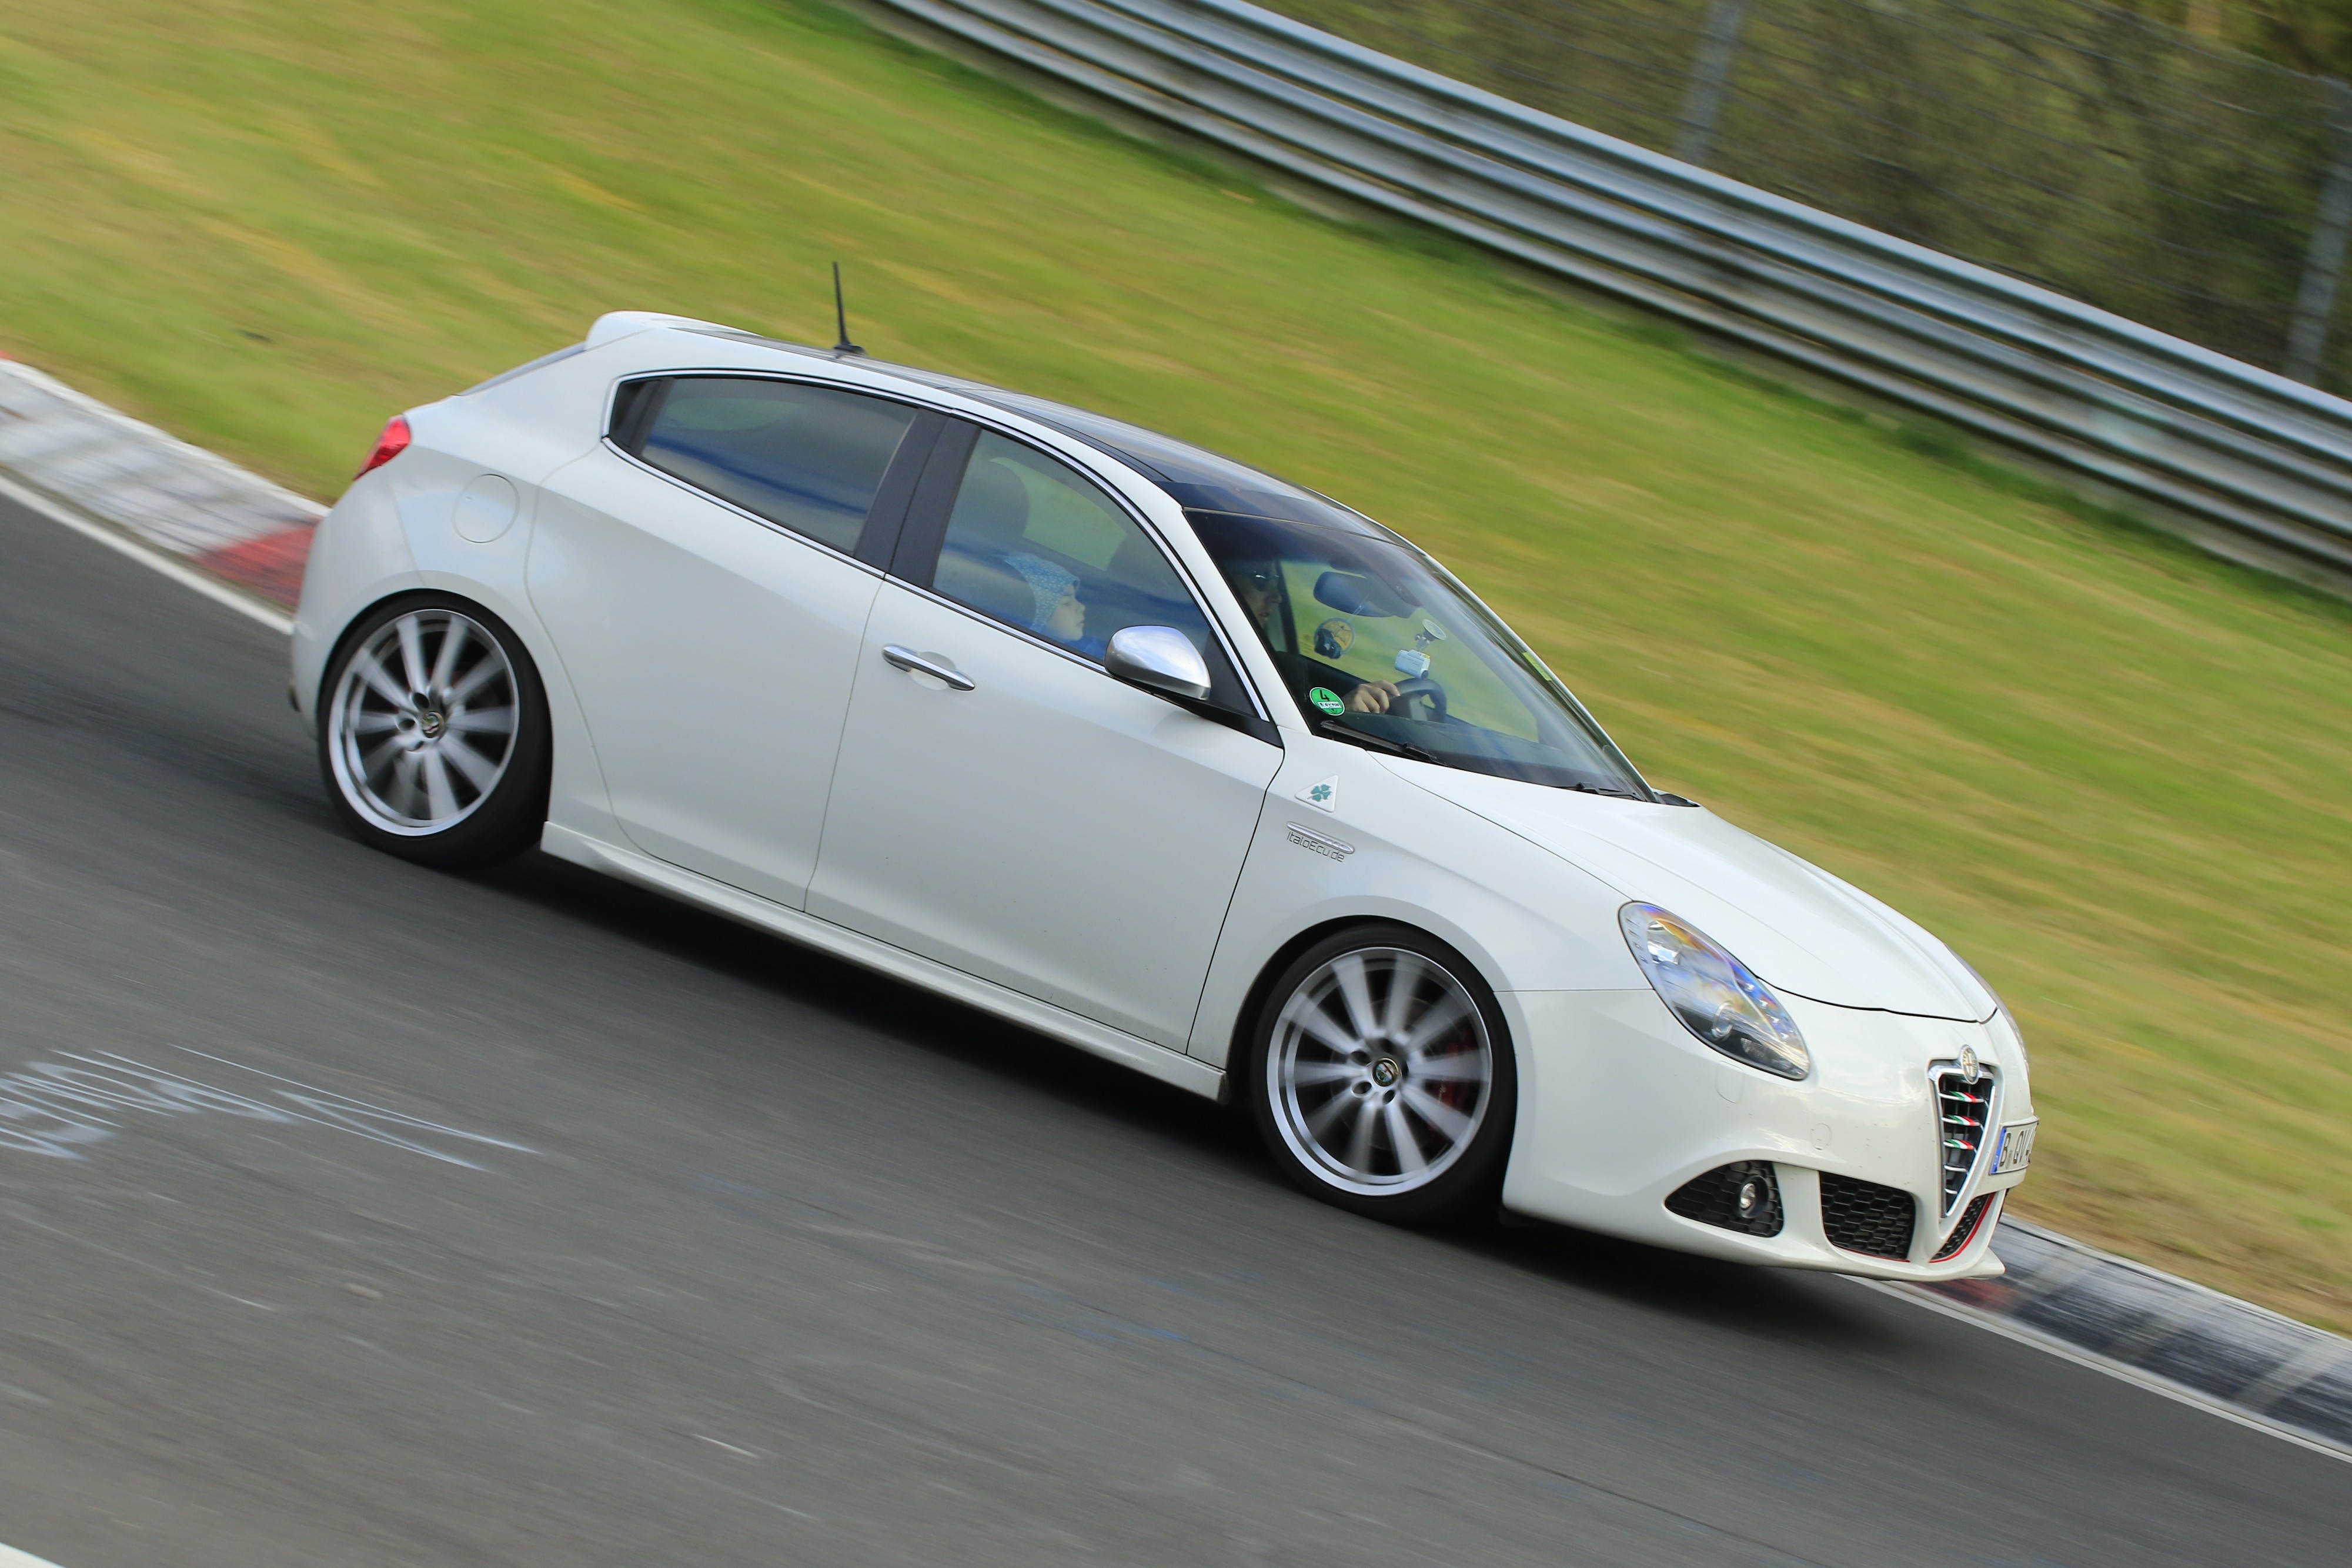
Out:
{"x": 809, "y": 458}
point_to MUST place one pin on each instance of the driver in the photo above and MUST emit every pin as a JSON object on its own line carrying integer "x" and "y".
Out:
{"x": 1259, "y": 585}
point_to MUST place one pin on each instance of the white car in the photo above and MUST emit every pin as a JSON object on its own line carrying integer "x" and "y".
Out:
{"x": 1152, "y": 752}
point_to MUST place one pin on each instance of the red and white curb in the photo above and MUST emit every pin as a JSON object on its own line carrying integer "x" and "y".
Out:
{"x": 238, "y": 539}
{"x": 2165, "y": 1332}
{"x": 183, "y": 504}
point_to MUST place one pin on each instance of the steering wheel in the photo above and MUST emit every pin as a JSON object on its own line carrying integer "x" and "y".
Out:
{"x": 1423, "y": 694}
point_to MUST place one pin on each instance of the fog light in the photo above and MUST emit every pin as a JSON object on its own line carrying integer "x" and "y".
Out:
{"x": 1744, "y": 1196}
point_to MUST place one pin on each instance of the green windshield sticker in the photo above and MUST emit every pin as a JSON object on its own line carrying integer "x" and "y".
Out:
{"x": 1326, "y": 699}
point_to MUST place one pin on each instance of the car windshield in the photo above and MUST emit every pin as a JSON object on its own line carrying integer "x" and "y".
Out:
{"x": 1379, "y": 644}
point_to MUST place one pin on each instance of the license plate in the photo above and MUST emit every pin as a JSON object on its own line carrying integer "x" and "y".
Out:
{"x": 2016, "y": 1147}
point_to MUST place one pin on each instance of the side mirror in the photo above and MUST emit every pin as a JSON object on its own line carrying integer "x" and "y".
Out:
{"x": 1158, "y": 659}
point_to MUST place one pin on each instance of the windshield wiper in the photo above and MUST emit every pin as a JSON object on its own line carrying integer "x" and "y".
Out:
{"x": 1337, "y": 731}
{"x": 1597, "y": 790}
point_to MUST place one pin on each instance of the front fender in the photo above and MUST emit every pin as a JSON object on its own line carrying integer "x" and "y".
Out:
{"x": 1376, "y": 848}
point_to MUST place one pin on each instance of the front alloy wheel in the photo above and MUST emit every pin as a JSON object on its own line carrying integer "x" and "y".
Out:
{"x": 433, "y": 736}
{"x": 1381, "y": 1079}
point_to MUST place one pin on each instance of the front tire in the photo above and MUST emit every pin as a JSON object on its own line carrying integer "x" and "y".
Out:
{"x": 1380, "y": 1077}
{"x": 433, "y": 734}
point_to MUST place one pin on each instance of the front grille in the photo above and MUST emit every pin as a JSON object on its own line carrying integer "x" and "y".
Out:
{"x": 1863, "y": 1217}
{"x": 1963, "y": 1109}
{"x": 1965, "y": 1230}
{"x": 1714, "y": 1198}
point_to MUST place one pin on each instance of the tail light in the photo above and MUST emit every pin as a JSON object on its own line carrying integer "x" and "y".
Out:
{"x": 389, "y": 445}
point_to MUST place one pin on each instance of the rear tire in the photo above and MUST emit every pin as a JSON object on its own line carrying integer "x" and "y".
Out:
{"x": 433, "y": 734}
{"x": 1381, "y": 1078}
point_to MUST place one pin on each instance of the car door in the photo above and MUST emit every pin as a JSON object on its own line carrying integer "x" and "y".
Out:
{"x": 700, "y": 577}
{"x": 1028, "y": 818}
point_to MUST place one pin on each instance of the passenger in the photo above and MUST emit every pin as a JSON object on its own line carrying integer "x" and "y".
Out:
{"x": 985, "y": 563}
{"x": 1060, "y": 615}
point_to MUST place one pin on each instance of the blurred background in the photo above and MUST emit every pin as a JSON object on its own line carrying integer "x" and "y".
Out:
{"x": 2169, "y": 164}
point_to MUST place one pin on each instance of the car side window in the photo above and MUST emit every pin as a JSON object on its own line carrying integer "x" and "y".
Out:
{"x": 809, "y": 458}
{"x": 1033, "y": 543}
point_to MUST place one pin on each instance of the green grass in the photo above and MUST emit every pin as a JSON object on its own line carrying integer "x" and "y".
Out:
{"x": 2118, "y": 774}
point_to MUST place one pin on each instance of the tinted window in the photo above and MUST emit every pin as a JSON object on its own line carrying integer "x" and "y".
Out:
{"x": 1033, "y": 543}
{"x": 1037, "y": 545}
{"x": 808, "y": 458}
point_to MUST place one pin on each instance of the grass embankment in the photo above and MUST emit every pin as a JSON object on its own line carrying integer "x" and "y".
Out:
{"x": 2116, "y": 775}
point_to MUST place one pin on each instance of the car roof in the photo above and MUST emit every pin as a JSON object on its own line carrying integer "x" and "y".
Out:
{"x": 1195, "y": 478}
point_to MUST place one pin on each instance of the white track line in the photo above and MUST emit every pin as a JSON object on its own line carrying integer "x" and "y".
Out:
{"x": 178, "y": 571}
{"x": 12, "y": 1558}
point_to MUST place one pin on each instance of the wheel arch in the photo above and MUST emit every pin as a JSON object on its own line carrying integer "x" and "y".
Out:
{"x": 1453, "y": 1191}
{"x": 445, "y": 597}
{"x": 513, "y": 805}
{"x": 1287, "y": 953}
{"x": 527, "y": 638}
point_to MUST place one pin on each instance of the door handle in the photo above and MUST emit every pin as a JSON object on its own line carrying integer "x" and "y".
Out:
{"x": 938, "y": 669}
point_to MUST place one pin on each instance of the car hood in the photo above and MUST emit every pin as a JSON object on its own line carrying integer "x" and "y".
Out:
{"x": 1799, "y": 928}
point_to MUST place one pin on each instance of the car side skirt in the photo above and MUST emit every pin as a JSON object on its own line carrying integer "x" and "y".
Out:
{"x": 809, "y": 931}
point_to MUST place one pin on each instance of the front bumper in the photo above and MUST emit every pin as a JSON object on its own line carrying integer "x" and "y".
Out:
{"x": 1619, "y": 1106}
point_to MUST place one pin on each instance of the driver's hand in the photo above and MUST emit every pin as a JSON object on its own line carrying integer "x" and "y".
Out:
{"x": 1372, "y": 697}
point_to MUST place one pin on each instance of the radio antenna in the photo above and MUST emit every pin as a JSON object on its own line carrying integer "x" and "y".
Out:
{"x": 841, "y": 316}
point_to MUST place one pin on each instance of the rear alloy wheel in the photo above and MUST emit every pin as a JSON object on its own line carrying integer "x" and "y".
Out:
{"x": 433, "y": 736}
{"x": 1382, "y": 1077}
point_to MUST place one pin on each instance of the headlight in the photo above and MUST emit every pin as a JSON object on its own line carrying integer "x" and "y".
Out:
{"x": 1713, "y": 993}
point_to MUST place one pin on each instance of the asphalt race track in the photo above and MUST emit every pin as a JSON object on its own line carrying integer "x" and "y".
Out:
{"x": 530, "y": 1219}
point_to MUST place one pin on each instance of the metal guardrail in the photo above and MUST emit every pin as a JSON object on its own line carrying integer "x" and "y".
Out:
{"x": 2255, "y": 465}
